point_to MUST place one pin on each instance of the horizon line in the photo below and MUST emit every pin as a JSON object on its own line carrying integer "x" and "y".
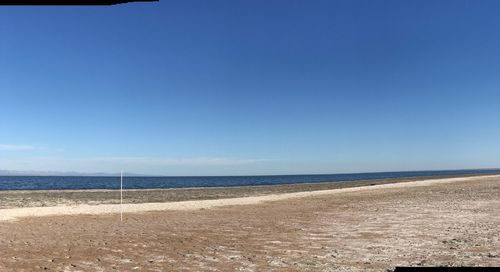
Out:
{"x": 130, "y": 174}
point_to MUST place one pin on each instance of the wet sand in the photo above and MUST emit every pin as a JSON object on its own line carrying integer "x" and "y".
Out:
{"x": 371, "y": 228}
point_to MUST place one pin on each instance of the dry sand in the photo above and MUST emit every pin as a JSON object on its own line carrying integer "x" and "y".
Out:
{"x": 448, "y": 222}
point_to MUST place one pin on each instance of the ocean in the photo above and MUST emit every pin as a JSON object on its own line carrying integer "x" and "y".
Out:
{"x": 147, "y": 182}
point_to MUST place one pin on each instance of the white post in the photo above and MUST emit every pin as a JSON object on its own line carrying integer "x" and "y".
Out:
{"x": 121, "y": 196}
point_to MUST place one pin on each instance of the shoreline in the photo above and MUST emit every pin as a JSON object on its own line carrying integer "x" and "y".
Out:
{"x": 49, "y": 198}
{"x": 21, "y": 212}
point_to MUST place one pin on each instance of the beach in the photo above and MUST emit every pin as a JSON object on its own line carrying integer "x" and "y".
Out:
{"x": 372, "y": 225}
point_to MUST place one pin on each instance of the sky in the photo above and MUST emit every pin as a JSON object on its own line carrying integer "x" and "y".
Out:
{"x": 251, "y": 87}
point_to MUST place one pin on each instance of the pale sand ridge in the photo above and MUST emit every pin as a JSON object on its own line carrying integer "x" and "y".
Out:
{"x": 16, "y": 213}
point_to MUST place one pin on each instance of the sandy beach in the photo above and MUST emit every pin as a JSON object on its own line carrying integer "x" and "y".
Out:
{"x": 375, "y": 226}
{"x": 250, "y": 136}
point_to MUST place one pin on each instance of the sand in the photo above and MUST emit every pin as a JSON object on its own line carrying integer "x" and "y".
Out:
{"x": 15, "y": 213}
{"x": 446, "y": 222}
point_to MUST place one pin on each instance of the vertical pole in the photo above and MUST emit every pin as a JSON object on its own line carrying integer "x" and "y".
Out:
{"x": 121, "y": 196}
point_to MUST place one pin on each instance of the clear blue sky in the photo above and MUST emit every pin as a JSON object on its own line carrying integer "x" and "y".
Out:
{"x": 251, "y": 87}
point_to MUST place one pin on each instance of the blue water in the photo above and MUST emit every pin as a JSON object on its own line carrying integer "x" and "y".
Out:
{"x": 85, "y": 182}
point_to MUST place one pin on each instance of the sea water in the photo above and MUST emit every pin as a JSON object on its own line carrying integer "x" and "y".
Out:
{"x": 148, "y": 182}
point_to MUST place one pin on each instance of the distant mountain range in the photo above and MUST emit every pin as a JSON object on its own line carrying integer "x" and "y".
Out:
{"x": 59, "y": 173}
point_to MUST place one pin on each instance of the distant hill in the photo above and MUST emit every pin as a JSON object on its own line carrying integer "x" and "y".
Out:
{"x": 59, "y": 173}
